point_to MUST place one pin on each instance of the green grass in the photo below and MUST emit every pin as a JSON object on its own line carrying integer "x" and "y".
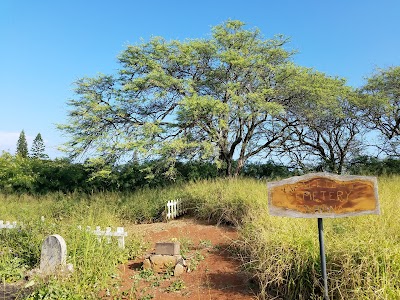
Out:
{"x": 282, "y": 254}
{"x": 95, "y": 263}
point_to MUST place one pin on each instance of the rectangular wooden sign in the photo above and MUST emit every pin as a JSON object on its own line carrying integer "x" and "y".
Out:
{"x": 323, "y": 195}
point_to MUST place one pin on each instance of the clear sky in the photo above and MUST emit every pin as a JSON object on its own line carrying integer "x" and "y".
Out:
{"x": 46, "y": 45}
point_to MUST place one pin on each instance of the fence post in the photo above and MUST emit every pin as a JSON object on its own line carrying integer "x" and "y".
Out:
{"x": 121, "y": 237}
{"x": 169, "y": 215}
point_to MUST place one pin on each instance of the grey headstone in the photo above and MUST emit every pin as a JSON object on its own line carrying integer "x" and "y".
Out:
{"x": 54, "y": 254}
{"x": 171, "y": 248}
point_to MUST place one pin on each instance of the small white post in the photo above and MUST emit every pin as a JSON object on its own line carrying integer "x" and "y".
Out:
{"x": 98, "y": 232}
{"x": 121, "y": 237}
{"x": 168, "y": 210}
{"x": 175, "y": 209}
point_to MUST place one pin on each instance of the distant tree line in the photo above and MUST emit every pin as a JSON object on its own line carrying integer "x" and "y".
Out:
{"x": 38, "y": 176}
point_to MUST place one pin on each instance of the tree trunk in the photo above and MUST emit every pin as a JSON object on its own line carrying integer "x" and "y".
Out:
{"x": 239, "y": 167}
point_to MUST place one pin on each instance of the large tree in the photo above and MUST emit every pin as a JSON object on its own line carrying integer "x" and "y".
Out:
{"x": 22, "y": 145}
{"x": 382, "y": 91}
{"x": 326, "y": 128}
{"x": 217, "y": 99}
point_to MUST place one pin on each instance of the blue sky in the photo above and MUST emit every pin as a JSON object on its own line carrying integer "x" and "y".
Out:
{"x": 47, "y": 45}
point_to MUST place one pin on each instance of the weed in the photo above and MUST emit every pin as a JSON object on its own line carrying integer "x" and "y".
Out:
{"x": 205, "y": 244}
{"x": 11, "y": 268}
{"x": 146, "y": 274}
{"x": 195, "y": 259}
{"x": 186, "y": 245}
{"x": 146, "y": 297}
{"x": 176, "y": 286}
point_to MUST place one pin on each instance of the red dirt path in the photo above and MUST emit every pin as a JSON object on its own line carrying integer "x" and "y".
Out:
{"x": 216, "y": 277}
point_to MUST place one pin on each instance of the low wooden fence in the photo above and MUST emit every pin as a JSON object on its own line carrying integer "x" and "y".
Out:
{"x": 175, "y": 208}
{"x": 7, "y": 224}
{"x": 108, "y": 233}
{"x": 120, "y": 233}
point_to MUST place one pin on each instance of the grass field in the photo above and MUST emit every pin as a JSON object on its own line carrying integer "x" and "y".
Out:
{"x": 363, "y": 253}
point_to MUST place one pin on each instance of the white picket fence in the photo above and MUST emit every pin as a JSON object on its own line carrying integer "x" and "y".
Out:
{"x": 7, "y": 224}
{"x": 108, "y": 233}
{"x": 120, "y": 233}
{"x": 175, "y": 208}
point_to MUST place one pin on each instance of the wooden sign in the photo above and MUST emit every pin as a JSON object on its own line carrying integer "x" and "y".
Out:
{"x": 323, "y": 195}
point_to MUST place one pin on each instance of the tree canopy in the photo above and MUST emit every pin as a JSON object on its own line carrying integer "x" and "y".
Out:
{"x": 230, "y": 98}
{"x": 383, "y": 107}
{"x": 214, "y": 99}
{"x": 324, "y": 121}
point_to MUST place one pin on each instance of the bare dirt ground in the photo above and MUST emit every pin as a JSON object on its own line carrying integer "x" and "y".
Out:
{"x": 215, "y": 275}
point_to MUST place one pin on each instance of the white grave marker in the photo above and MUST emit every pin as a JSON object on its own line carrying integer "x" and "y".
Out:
{"x": 54, "y": 254}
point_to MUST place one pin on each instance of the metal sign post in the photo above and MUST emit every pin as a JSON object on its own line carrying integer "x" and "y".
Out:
{"x": 322, "y": 255}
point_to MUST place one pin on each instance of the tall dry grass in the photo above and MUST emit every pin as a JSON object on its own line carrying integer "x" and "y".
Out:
{"x": 363, "y": 253}
{"x": 282, "y": 254}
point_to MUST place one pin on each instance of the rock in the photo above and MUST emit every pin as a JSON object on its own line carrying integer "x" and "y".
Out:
{"x": 165, "y": 263}
{"x": 182, "y": 262}
{"x": 161, "y": 263}
{"x": 146, "y": 264}
{"x": 179, "y": 270}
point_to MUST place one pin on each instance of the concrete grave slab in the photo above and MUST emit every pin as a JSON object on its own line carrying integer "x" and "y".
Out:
{"x": 172, "y": 248}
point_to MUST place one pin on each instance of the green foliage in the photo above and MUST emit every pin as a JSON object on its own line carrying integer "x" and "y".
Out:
{"x": 222, "y": 200}
{"x": 176, "y": 286}
{"x": 146, "y": 205}
{"x": 269, "y": 170}
{"x": 38, "y": 148}
{"x": 16, "y": 173}
{"x": 204, "y": 99}
{"x": 381, "y": 103}
{"x": 282, "y": 254}
{"x": 25, "y": 175}
{"x": 11, "y": 268}
{"x": 59, "y": 175}
{"x": 324, "y": 121}
{"x": 22, "y": 145}
{"x": 52, "y": 290}
{"x": 368, "y": 165}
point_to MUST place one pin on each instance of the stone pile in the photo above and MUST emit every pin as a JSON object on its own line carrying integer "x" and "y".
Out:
{"x": 167, "y": 258}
